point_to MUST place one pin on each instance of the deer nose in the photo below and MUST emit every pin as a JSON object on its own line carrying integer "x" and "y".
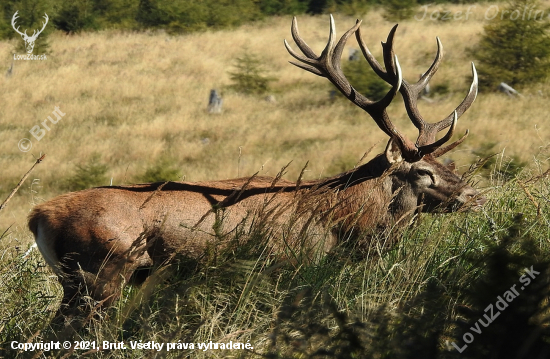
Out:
{"x": 480, "y": 201}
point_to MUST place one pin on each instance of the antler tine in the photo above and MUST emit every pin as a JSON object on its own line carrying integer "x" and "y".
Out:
{"x": 374, "y": 64}
{"x": 442, "y": 150}
{"x": 465, "y": 104}
{"x": 409, "y": 92}
{"x": 310, "y": 60}
{"x": 298, "y": 40}
{"x": 328, "y": 64}
{"x": 307, "y": 61}
{"x": 408, "y": 148}
{"x": 426, "y": 77}
{"x": 428, "y": 131}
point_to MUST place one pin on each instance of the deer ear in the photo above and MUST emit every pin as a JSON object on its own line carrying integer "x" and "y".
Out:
{"x": 393, "y": 152}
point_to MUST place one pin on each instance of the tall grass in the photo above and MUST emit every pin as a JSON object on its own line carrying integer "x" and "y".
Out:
{"x": 402, "y": 301}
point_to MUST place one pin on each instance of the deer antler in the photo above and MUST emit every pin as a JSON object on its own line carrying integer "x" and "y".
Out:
{"x": 328, "y": 65}
{"x": 425, "y": 143}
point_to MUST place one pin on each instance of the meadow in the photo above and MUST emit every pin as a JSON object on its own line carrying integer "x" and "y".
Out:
{"x": 136, "y": 103}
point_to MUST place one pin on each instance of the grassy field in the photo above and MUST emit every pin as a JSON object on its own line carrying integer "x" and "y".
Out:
{"x": 136, "y": 100}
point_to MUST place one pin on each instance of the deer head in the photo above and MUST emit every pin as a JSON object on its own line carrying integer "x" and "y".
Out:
{"x": 416, "y": 174}
{"x": 29, "y": 40}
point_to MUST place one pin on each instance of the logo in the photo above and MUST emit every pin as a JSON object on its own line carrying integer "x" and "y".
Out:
{"x": 29, "y": 40}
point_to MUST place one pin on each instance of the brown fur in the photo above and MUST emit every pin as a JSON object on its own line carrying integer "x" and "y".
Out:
{"x": 96, "y": 238}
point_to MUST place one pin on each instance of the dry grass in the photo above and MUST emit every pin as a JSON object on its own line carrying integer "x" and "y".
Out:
{"x": 136, "y": 98}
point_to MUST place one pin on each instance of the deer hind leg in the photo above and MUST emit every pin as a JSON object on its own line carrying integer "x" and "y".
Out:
{"x": 84, "y": 290}
{"x": 103, "y": 286}
{"x": 84, "y": 293}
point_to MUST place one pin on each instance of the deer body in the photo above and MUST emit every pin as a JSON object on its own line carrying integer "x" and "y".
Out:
{"x": 95, "y": 239}
{"x": 90, "y": 237}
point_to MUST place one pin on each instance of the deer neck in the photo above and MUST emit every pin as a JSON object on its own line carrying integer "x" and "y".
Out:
{"x": 361, "y": 198}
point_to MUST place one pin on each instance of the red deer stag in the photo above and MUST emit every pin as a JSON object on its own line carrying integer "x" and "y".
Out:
{"x": 95, "y": 239}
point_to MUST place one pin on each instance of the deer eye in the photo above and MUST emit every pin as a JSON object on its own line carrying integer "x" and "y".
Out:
{"x": 427, "y": 173}
{"x": 424, "y": 173}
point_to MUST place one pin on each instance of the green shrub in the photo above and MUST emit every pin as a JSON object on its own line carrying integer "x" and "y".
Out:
{"x": 149, "y": 14}
{"x": 249, "y": 77}
{"x": 163, "y": 170}
{"x": 397, "y": 10}
{"x": 88, "y": 175}
{"x": 73, "y": 18}
{"x": 282, "y": 7}
{"x": 186, "y": 16}
{"x": 357, "y": 8}
{"x": 514, "y": 49}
